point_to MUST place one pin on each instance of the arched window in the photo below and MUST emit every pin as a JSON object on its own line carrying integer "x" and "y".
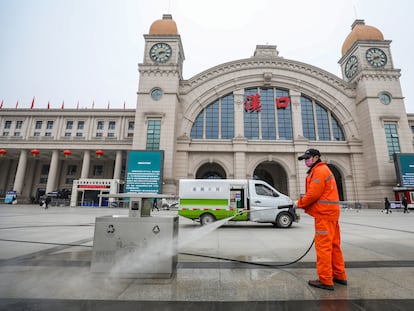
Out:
{"x": 318, "y": 123}
{"x": 263, "y": 120}
{"x": 212, "y": 121}
{"x": 198, "y": 126}
{"x": 211, "y": 171}
{"x": 216, "y": 121}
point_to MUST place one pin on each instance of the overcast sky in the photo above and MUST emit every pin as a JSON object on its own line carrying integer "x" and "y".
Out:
{"x": 88, "y": 51}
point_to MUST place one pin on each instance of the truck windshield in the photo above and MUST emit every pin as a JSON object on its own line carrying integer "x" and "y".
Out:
{"x": 264, "y": 190}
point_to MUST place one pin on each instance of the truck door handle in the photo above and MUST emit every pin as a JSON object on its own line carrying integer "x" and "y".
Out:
{"x": 257, "y": 202}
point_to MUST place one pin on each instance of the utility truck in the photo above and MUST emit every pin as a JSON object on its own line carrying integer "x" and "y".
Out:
{"x": 208, "y": 200}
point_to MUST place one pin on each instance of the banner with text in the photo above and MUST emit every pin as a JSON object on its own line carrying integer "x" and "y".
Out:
{"x": 144, "y": 171}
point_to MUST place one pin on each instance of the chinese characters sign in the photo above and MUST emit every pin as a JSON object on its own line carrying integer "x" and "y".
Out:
{"x": 252, "y": 102}
{"x": 282, "y": 102}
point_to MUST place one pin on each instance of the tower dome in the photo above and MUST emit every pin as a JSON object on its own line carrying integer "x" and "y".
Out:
{"x": 164, "y": 26}
{"x": 360, "y": 31}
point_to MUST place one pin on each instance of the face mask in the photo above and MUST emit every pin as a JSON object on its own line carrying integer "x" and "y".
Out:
{"x": 308, "y": 162}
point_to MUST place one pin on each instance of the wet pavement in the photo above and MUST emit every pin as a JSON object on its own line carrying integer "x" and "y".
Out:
{"x": 45, "y": 264}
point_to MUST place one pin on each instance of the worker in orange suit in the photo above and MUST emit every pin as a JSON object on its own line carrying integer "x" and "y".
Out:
{"x": 321, "y": 201}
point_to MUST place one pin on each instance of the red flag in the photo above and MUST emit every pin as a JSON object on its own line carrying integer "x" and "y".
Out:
{"x": 1, "y": 105}
{"x": 17, "y": 104}
{"x": 32, "y": 106}
{"x": 63, "y": 105}
{"x": 48, "y": 105}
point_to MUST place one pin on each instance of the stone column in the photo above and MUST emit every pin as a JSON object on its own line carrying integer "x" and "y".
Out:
{"x": 5, "y": 166}
{"x": 53, "y": 171}
{"x": 86, "y": 164}
{"x": 118, "y": 164}
{"x": 21, "y": 172}
{"x": 296, "y": 114}
{"x": 238, "y": 113}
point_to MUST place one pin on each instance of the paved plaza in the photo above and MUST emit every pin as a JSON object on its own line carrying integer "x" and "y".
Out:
{"x": 45, "y": 264}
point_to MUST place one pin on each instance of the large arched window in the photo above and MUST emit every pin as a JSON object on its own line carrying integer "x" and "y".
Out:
{"x": 318, "y": 123}
{"x": 216, "y": 121}
{"x": 263, "y": 120}
{"x": 197, "y": 130}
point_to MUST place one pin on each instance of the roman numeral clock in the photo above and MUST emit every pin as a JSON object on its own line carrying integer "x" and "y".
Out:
{"x": 160, "y": 52}
{"x": 351, "y": 67}
{"x": 376, "y": 57}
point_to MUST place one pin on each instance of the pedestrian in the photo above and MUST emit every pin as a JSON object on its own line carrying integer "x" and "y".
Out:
{"x": 47, "y": 202}
{"x": 405, "y": 204}
{"x": 387, "y": 206}
{"x": 155, "y": 204}
{"x": 321, "y": 201}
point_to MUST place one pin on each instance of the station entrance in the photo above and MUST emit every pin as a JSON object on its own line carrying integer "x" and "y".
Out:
{"x": 87, "y": 192}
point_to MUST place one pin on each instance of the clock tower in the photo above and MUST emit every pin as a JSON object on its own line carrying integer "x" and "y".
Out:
{"x": 379, "y": 108}
{"x": 158, "y": 99}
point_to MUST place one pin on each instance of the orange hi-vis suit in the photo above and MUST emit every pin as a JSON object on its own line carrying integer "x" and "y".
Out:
{"x": 321, "y": 201}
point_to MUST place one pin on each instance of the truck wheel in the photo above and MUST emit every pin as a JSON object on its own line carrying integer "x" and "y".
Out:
{"x": 284, "y": 220}
{"x": 206, "y": 219}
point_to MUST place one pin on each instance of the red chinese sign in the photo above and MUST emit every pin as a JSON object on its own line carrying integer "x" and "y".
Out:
{"x": 253, "y": 103}
{"x": 282, "y": 102}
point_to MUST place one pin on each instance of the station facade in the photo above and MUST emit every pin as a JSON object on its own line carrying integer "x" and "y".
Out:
{"x": 248, "y": 118}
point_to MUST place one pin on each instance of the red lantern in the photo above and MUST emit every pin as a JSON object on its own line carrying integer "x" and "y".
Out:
{"x": 35, "y": 152}
{"x": 99, "y": 153}
{"x": 67, "y": 153}
{"x": 3, "y": 152}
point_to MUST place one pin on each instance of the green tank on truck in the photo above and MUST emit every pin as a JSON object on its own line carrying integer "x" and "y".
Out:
{"x": 208, "y": 200}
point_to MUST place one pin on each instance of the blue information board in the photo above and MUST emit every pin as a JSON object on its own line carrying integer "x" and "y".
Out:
{"x": 144, "y": 171}
{"x": 404, "y": 167}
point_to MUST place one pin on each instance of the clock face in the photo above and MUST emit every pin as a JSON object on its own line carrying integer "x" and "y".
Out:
{"x": 376, "y": 57}
{"x": 160, "y": 52}
{"x": 156, "y": 94}
{"x": 385, "y": 98}
{"x": 351, "y": 66}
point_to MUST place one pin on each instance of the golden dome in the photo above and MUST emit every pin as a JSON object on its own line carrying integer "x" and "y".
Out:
{"x": 360, "y": 31}
{"x": 164, "y": 26}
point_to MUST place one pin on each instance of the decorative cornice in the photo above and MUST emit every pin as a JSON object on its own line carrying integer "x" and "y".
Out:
{"x": 79, "y": 113}
{"x": 393, "y": 75}
{"x": 390, "y": 118}
{"x": 160, "y": 70}
{"x": 264, "y": 64}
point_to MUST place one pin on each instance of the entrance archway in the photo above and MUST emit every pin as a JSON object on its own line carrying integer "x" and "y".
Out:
{"x": 211, "y": 171}
{"x": 274, "y": 174}
{"x": 338, "y": 179}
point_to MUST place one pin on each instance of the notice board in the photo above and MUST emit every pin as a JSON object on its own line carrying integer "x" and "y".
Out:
{"x": 144, "y": 171}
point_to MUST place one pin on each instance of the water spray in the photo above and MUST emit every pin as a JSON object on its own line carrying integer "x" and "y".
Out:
{"x": 251, "y": 262}
{"x": 222, "y": 222}
{"x": 213, "y": 226}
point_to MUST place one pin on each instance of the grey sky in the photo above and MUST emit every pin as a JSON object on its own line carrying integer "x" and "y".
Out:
{"x": 88, "y": 50}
